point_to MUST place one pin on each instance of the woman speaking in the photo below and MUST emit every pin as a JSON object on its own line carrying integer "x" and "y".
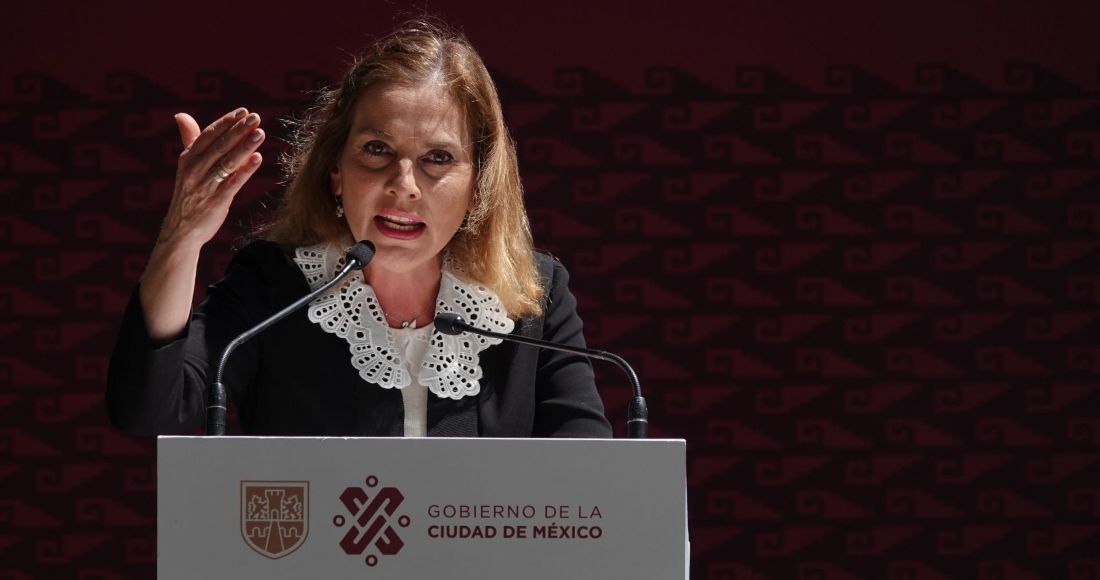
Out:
{"x": 410, "y": 152}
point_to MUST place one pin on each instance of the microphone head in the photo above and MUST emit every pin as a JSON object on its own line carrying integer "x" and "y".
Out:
{"x": 362, "y": 253}
{"x": 448, "y": 323}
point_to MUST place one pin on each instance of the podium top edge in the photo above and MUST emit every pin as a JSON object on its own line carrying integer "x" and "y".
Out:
{"x": 330, "y": 438}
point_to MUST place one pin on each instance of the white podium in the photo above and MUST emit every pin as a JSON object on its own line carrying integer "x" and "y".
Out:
{"x": 455, "y": 509}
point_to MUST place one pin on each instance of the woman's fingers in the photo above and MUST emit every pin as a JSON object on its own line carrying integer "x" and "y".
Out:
{"x": 219, "y": 150}
{"x": 237, "y": 178}
{"x": 214, "y": 166}
{"x": 237, "y": 157}
{"x": 189, "y": 129}
{"x": 230, "y": 138}
{"x": 244, "y": 135}
{"x": 227, "y": 151}
{"x": 215, "y": 131}
{"x": 246, "y": 139}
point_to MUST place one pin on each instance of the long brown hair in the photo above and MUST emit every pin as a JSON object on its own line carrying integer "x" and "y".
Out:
{"x": 493, "y": 248}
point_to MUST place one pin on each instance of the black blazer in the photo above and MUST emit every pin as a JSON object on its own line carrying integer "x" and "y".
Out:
{"x": 296, "y": 379}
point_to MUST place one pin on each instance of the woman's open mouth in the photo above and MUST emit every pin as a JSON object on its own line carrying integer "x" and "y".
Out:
{"x": 397, "y": 226}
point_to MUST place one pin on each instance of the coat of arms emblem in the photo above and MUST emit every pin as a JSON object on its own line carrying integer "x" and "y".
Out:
{"x": 274, "y": 516}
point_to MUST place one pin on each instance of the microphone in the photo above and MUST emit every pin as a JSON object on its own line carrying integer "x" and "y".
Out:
{"x": 358, "y": 257}
{"x": 637, "y": 412}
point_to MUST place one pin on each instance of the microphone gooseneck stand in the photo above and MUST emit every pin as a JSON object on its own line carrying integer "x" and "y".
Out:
{"x": 637, "y": 412}
{"x": 357, "y": 258}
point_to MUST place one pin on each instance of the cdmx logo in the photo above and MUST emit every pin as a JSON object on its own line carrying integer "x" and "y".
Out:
{"x": 371, "y": 520}
{"x": 274, "y": 516}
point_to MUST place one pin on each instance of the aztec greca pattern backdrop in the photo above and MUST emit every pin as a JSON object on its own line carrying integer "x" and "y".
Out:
{"x": 872, "y": 309}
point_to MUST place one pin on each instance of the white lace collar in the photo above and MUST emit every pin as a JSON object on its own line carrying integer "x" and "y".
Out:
{"x": 350, "y": 310}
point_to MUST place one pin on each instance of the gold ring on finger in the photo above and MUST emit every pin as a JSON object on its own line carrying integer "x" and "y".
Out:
{"x": 219, "y": 173}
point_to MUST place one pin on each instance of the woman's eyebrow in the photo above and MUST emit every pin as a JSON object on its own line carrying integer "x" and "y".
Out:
{"x": 444, "y": 145}
{"x": 375, "y": 132}
{"x": 434, "y": 144}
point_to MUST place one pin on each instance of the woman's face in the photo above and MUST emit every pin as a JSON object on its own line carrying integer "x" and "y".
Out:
{"x": 406, "y": 175}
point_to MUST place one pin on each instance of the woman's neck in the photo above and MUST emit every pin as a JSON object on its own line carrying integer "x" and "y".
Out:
{"x": 405, "y": 297}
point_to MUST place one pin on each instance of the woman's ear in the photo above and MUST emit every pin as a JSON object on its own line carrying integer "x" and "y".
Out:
{"x": 337, "y": 188}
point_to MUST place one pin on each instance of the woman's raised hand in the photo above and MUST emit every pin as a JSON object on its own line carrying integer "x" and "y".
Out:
{"x": 215, "y": 163}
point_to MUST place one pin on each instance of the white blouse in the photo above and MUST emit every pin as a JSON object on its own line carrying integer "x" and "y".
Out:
{"x": 413, "y": 343}
{"x": 415, "y": 360}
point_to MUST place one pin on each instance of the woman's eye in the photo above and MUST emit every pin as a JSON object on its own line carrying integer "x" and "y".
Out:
{"x": 375, "y": 148}
{"x": 439, "y": 157}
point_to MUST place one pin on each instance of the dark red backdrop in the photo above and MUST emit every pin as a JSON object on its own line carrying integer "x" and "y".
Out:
{"x": 853, "y": 252}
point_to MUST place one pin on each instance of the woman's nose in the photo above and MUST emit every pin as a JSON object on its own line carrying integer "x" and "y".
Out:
{"x": 403, "y": 183}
